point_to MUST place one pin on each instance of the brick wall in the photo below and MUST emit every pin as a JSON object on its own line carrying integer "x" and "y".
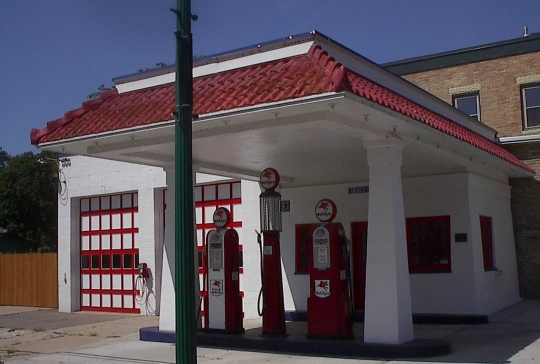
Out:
{"x": 526, "y": 218}
{"x": 500, "y": 108}
{"x": 500, "y": 99}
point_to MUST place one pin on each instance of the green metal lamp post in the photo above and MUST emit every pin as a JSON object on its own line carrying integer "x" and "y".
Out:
{"x": 186, "y": 346}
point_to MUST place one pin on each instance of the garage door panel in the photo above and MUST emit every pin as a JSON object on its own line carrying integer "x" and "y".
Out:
{"x": 106, "y": 300}
{"x": 108, "y": 253}
{"x": 85, "y": 281}
{"x": 105, "y": 222}
{"x": 85, "y": 243}
{"x": 94, "y": 223}
{"x": 116, "y": 282}
{"x": 116, "y": 221}
{"x": 106, "y": 281}
{"x": 85, "y": 223}
{"x": 96, "y": 278}
{"x": 128, "y": 241}
{"x": 106, "y": 242}
{"x": 116, "y": 241}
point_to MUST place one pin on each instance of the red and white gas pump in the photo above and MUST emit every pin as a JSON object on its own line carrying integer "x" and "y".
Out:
{"x": 273, "y": 306}
{"x": 223, "y": 304}
{"x": 330, "y": 312}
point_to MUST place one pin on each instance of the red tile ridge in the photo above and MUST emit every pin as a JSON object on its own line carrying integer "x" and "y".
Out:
{"x": 37, "y": 134}
{"x": 333, "y": 70}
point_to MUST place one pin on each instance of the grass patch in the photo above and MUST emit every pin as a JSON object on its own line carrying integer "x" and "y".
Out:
{"x": 39, "y": 329}
{"x": 92, "y": 334}
{"x": 18, "y": 328}
{"x": 11, "y": 351}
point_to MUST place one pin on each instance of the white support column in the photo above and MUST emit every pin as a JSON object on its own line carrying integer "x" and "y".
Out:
{"x": 388, "y": 314}
{"x": 167, "y": 315}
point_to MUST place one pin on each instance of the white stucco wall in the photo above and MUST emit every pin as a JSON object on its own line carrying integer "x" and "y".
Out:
{"x": 449, "y": 293}
{"x": 496, "y": 288}
{"x": 466, "y": 290}
{"x": 95, "y": 177}
{"x": 250, "y": 281}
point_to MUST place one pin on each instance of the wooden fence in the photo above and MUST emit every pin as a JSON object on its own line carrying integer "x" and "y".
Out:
{"x": 29, "y": 280}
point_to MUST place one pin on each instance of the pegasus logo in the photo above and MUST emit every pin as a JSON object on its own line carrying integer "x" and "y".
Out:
{"x": 324, "y": 205}
{"x": 322, "y": 288}
{"x": 267, "y": 174}
{"x": 323, "y": 285}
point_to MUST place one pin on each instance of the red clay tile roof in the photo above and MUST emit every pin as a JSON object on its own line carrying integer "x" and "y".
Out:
{"x": 285, "y": 79}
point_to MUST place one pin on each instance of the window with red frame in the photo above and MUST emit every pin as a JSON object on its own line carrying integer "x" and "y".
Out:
{"x": 302, "y": 248}
{"x": 487, "y": 242}
{"x": 428, "y": 244}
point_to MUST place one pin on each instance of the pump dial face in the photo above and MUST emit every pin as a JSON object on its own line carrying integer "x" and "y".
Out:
{"x": 222, "y": 217}
{"x": 269, "y": 179}
{"x": 325, "y": 210}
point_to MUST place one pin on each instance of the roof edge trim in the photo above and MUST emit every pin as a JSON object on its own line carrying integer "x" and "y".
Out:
{"x": 507, "y": 48}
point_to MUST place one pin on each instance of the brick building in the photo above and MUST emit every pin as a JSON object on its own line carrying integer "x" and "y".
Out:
{"x": 498, "y": 85}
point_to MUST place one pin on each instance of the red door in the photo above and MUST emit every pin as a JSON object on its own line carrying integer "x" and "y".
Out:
{"x": 359, "y": 251}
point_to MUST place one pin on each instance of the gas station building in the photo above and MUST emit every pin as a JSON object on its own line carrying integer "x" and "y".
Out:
{"x": 422, "y": 190}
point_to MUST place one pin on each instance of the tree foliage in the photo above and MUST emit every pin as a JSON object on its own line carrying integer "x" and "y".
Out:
{"x": 95, "y": 95}
{"x": 28, "y": 197}
{"x": 4, "y": 158}
{"x": 158, "y": 65}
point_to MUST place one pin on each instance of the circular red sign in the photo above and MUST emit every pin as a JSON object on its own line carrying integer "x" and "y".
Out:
{"x": 269, "y": 179}
{"x": 325, "y": 210}
{"x": 222, "y": 217}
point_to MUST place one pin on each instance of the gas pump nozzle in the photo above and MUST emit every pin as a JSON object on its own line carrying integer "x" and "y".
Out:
{"x": 260, "y": 310}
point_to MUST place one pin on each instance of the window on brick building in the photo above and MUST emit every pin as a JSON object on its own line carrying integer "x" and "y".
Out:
{"x": 487, "y": 242}
{"x": 428, "y": 244}
{"x": 469, "y": 104}
{"x": 531, "y": 106}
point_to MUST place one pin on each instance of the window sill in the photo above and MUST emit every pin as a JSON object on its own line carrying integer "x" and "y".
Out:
{"x": 430, "y": 271}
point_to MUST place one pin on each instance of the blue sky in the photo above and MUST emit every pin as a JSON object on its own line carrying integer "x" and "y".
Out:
{"x": 56, "y": 52}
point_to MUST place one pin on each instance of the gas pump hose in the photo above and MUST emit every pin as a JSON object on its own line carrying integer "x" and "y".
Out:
{"x": 201, "y": 296}
{"x": 350, "y": 297}
{"x": 260, "y": 310}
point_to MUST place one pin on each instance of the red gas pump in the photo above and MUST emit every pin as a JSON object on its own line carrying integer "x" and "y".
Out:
{"x": 330, "y": 312}
{"x": 223, "y": 304}
{"x": 273, "y": 306}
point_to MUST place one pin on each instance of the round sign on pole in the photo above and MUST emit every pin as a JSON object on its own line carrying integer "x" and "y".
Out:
{"x": 222, "y": 217}
{"x": 269, "y": 179}
{"x": 325, "y": 210}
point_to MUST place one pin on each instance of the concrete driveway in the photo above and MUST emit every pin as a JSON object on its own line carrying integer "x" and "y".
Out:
{"x": 512, "y": 336}
{"x": 26, "y": 331}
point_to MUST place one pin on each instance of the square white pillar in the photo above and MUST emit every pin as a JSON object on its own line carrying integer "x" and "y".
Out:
{"x": 167, "y": 307}
{"x": 388, "y": 314}
{"x": 167, "y": 315}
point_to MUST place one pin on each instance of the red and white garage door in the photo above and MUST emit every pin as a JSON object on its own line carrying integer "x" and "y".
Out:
{"x": 109, "y": 257}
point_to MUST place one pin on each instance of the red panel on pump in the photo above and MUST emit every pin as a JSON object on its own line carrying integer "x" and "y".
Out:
{"x": 330, "y": 313}
{"x": 233, "y": 300}
{"x": 274, "y": 307}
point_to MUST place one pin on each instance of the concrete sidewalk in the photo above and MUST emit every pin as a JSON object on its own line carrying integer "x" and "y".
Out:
{"x": 512, "y": 336}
